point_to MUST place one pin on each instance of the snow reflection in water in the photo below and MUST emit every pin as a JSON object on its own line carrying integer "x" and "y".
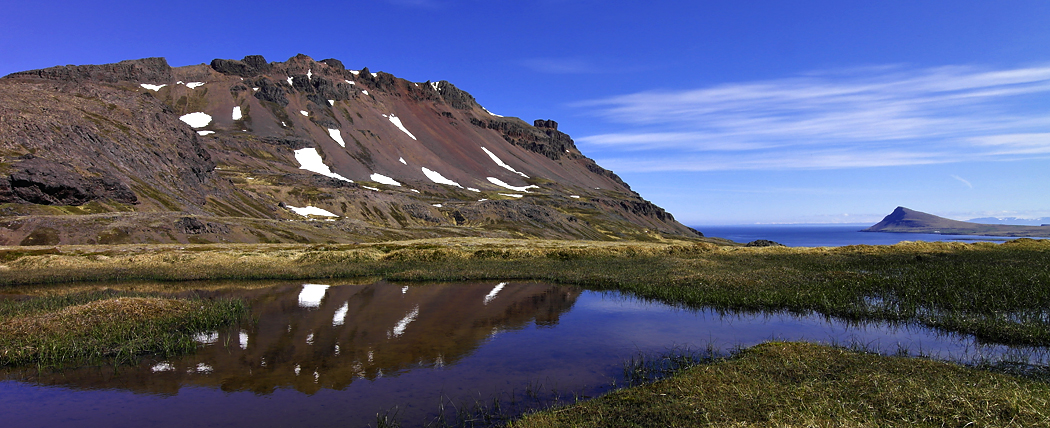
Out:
{"x": 317, "y": 355}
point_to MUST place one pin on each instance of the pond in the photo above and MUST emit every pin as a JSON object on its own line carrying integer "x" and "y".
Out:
{"x": 337, "y": 355}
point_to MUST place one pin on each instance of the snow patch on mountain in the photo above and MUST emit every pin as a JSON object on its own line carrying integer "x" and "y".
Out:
{"x": 397, "y": 122}
{"x": 196, "y": 120}
{"x": 311, "y": 210}
{"x": 334, "y": 133}
{"x": 500, "y": 163}
{"x": 310, "y": 160}
{"x": 500, "y": 183}
{"x": 438, "y": 178}
{"x": 382, "y": 179}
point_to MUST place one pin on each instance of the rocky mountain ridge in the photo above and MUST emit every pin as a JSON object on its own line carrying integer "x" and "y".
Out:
{"x": 255, "y": 151}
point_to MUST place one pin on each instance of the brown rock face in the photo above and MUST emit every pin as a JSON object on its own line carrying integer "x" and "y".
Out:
{"x": 389, "y": 158}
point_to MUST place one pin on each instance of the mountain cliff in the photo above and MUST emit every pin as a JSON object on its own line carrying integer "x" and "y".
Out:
{"x": 904, "y": 220}
{"x": 256, "y": 151}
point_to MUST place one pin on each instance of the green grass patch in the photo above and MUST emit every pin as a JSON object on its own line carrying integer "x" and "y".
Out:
{"x": 800, "y": 384}
{"x": 91, "y": 327}
{"x": 999, "y": 293}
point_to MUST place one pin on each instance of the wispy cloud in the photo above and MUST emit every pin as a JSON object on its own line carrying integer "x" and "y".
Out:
{"x": 879, "y": 116}
{"x": 963, "y": 180}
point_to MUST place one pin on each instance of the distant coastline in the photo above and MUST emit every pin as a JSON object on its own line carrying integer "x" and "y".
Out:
{"x": 828, "y": 235}
{"x": 904, "y": 220}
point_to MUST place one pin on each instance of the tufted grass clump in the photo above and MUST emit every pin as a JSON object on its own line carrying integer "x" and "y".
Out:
{"x": 85, "y": 328}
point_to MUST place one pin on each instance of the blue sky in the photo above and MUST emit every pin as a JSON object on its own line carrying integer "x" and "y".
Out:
{"x": 727, "y": 112}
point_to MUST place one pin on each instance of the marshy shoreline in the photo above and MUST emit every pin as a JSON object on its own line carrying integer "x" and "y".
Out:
{"x": 999, "y": 293}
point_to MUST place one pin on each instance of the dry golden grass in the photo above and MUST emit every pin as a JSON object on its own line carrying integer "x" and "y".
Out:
{"x": 93, "y": 327}
{"x": 82, "y": 318}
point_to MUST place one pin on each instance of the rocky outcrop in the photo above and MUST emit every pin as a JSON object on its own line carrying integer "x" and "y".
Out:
{"x": 269, "y": 90}
{"x": 763, "y": 243}
{"x": 193, "y": 226}
{"x": 547, "y": 141}
{"x": 38, "y": 181}
{"x": 250, "y": 66}
{"x": 455, "y": 97}
{"x": 138, "y": 70}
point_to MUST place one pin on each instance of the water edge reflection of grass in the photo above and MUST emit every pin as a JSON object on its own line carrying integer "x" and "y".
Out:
{"x": 997, "y": 292}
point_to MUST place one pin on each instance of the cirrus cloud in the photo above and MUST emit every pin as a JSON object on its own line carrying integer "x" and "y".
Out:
{"x": 877, "y": 116}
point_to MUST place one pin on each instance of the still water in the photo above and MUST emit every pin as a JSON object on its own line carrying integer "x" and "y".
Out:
{"x": 830, "y": 235}
{"x": 336, "y": 355}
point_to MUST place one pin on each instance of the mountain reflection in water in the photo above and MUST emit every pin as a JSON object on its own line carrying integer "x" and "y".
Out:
{"x": 339, "y": 354}
{"x": 314, "y": 336}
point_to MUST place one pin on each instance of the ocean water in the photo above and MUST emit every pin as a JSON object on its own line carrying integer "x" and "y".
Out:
{"x": 829, "y": 235}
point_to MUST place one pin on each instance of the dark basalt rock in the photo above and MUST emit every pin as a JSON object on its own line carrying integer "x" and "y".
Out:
{"x": 250, "y": 66}
{"x": 763, "y": 243}
{"x": 270, "y": 91}
{"x": 7, "y": 194}
{"x": 192, "y": 226}
{"x": 138, "y": 70}
{"x": 38, "y": 181}
{"x": 319, "y": 89}
{"x": 455, "y": 97}
{"x": 545, "y": 140}
{"x": 638, "y": 207}
{"x": 334, "y": 63}
{"x": 541, "y": 123}
{"x": 593, "y": 166}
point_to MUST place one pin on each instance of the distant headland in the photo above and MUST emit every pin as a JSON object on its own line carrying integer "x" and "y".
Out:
{"x": 904, "y": 220}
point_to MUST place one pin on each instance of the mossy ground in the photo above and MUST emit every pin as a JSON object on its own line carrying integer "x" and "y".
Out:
{"x": 998, "y": 292}
{"x": 801, "y": 384}
{"x": 91, "y": 327}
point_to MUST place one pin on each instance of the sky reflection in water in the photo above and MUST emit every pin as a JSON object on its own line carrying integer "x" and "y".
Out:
{"x": 336, "y": 355}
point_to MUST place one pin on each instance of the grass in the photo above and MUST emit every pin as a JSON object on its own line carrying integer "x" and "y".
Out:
{"x": 90, "y": 327}
{"x": 998, "y": 292}
{"x": 800, "y": 384}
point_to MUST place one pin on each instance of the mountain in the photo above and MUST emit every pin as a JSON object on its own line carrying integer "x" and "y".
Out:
{"x": 911, "y": 221}
{"x": 255, "y": 151}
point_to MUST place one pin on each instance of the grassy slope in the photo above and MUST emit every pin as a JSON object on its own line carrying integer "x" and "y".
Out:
{"x": 798, "y": 384}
